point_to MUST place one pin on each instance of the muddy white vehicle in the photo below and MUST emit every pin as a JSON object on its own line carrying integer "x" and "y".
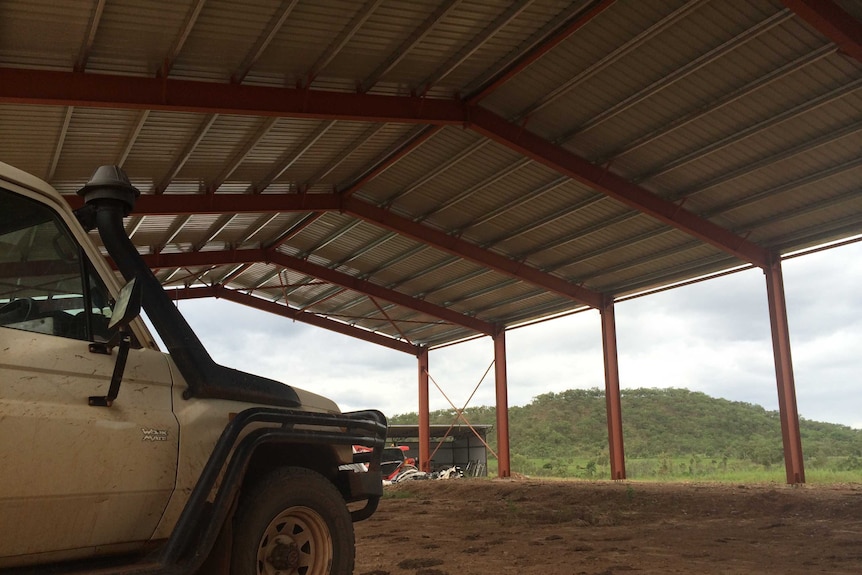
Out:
{"x": 118, "y": 458}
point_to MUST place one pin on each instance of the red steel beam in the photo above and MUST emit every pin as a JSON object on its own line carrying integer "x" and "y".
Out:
{"x": 457, "y": 246}
{"x": 285, "y": 311}
{"x": 27, "y": 86}
{"x": 612, "y": 392}
{"x": 187, "y": 259}
{"x": 558, "y": 158}
{"x": 68, "y": 88}
{"x": 787, "y": 410}
{"x": 192, "y": 204}
{"x": 504, "y": 468}
{"x": 424, "y": 414}
{"x": 148, "y": 205}
{"x": 833, "y": 22}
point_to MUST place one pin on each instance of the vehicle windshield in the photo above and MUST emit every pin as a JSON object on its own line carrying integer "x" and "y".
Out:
{"x": 46, "y": 285}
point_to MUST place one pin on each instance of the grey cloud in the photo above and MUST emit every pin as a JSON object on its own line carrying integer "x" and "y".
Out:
{"x": 712, "y": 337}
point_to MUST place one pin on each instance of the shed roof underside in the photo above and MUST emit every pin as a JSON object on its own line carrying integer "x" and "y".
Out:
{"x": 414, "y": 173}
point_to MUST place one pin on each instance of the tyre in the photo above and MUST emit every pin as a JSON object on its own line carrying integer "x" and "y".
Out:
{"x": 294, "y": 522}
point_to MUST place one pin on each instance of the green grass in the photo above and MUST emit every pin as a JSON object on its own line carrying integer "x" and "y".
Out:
{"x": 691, "y": 468}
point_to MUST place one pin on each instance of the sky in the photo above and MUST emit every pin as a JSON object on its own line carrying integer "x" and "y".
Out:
{"x": 712, "y": 337}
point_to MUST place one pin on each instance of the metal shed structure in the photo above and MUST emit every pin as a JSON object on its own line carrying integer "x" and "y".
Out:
{"x": 417, "y": 173}
{"x": 451, "y": 445}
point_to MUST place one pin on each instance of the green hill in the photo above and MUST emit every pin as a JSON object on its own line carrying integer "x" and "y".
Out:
{"x": 666, "y": 431}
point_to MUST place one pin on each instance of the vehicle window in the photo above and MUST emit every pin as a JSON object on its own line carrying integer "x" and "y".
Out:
{"x": 46, "y": 283}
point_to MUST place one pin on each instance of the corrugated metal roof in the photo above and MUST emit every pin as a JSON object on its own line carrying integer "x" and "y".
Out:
{"x": 740, "y": 113}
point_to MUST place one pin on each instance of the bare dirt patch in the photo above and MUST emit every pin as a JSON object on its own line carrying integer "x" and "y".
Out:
{"x": 526, "y": 526}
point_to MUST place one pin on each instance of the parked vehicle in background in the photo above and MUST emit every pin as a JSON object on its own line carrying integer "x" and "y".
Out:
{"x": 395, "y": 462}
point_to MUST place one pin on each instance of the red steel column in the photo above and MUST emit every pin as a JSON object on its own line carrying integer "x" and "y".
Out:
{"x": 612, "y": 391}
{"x": 502, "y": 385}
{"x": 424, "y": 414}
{"x": 791, "y": 437}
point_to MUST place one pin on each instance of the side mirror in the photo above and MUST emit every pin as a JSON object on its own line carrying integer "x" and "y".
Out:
{"x": 127, "y": 308}
{"x": 128, "y": 305}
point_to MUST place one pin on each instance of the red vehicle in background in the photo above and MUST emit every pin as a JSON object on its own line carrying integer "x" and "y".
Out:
{"x": 395, "y": 461}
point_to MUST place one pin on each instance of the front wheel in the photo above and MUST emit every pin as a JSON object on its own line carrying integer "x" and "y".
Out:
{"x": 295, "y": 522}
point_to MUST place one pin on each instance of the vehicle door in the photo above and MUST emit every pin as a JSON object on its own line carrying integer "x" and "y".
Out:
{"x": 72, "y": 475}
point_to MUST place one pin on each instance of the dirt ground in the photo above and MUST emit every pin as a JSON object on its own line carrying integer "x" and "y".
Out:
{"x": 527, "y": 526}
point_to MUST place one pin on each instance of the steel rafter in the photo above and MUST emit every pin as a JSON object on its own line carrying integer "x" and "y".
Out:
{"x": 290, "y": 157}
{"x": 25, "y": 86}
{"x": 61, "y": 140}
{"x": 475, "y": 44}
{"x": 371, "y": 289}
{"x": 221, "y": 292}
{"x": 388, "y": 161}
{"x": 187, "y": 152}
{"x": 429, "y": 175}
{"x": 186, "y": 259}
{"x": 466, "y": 250}
{"x": 618, "y": 188}
{"x": 412, "y": 40}
{"x": 614, "y": 56}
{"x": 52, "y": 87}
{"x": 833, "y": 22}
{"x": 191, "y": 19}
{"x": 133, "y": 137}
{"x": 523, "y": 61}
{"x": 275, "y": 23}
{"x": 715, "y": 105}
{"x": 345, "y": 153}
{"x": 239, "y": 157}
{"x": 681, "y": 73}
{"x": 214, "y": 230}
{"x": 849, "y": 165}
{"x": 754, "y": 129}
{"x": 360, "y": 16}
{"x": 92, "y": 27}
{"x": 542, "y": 47}
{"x": 720, "y": 210}
{"x": 243, "y": 203}
{"x": 218, "y": 204}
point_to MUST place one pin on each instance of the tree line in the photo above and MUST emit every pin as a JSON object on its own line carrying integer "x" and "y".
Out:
{"x": 665, "y": 424}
